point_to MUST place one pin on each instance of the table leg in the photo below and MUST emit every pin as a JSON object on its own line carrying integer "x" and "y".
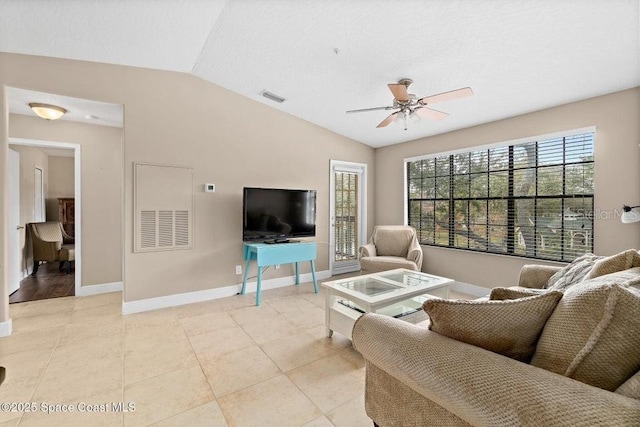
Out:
{"x": 259, "y": 286}
{"x": 297, "y": 274}
{"x": 327, "y": 313}
{"x": 313, "y": 275}
{"x": 244, "y": 278}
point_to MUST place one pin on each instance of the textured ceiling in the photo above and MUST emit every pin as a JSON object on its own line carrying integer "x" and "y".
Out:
{"x": 517, "y": 55}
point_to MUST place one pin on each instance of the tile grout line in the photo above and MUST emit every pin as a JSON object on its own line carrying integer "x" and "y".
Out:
{"x": 46, "y": 366}
{"x": 215, "y": 397}
{"x": 281, "y": 371}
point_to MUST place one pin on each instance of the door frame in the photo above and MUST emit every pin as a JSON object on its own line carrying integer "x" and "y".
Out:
{"x": 77, "y": 177}
{"x": 41, "y": 210}
{"x": 13, "y": 221}
{"x": 344, "y": 166}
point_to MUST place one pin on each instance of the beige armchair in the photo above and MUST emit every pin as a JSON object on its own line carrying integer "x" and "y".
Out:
{"x": 391, "y": 246}
{"x": 50, "y": 243}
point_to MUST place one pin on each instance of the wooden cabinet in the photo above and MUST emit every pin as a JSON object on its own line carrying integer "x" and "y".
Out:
{"x": 67, "y": 215}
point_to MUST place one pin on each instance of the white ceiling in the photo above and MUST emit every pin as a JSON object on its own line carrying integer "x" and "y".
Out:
{"x": 517, "y": 55}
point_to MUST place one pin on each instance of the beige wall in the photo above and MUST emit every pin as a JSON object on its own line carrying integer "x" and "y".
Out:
{"x": 229, "y": 140}
{"x": 617, "y": 178}
{"x": 61, "y": 184}
{"x": 101, "y": 171}
{"x": 30, "y": 158}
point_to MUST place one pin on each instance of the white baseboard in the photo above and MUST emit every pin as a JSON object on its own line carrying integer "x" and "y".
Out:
{"x": 102, "y": 288}
{"x": 468, "y": 288}
{"x": 175, "y": 300}
{"x": 6, "y": 328}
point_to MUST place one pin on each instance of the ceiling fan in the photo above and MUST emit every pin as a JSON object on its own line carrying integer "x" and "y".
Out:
{"x": 410, "y": 108}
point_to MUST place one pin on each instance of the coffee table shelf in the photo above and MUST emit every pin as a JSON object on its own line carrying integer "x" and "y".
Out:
{"x": 398, "y": 293}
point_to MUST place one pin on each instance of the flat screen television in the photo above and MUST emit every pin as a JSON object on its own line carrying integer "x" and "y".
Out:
{"x": 274, "y": 215}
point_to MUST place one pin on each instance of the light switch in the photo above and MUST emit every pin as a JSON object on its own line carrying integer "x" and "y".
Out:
{"x": 210, "y": 188}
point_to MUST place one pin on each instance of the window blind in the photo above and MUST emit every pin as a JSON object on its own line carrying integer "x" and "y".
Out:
{"x": 533, "y": 199}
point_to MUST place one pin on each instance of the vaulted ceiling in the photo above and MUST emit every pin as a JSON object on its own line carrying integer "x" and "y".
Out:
{"x": 329, "y": 56}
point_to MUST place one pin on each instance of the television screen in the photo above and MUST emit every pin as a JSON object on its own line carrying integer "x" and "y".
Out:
{"x": 271, "y": 214}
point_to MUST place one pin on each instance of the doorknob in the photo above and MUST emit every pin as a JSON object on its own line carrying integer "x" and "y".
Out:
{"x": 20, "y": 227}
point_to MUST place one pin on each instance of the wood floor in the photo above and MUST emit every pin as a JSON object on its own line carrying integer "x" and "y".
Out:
{"x": 48, "y": 283}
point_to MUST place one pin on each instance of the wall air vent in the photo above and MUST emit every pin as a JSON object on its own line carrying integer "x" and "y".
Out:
{"x": 273, "y": 97}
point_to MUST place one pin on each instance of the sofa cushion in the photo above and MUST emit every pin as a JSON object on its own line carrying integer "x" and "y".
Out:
{"x": 573, "y": 273}
{"x": 509, "y": 327}
{"x": 393, "y": 241}
{"x": 615, "y": 263}
{"x": 515, "y": 292}
{"x": 593, "y": 336}
{"x": 631, "y": 387}
{"x": 382, "y": 263}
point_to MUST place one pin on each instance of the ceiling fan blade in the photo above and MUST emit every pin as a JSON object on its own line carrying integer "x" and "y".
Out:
{"x": 362, "y": 110}
{"x": 388, "y": 120}
{"x": 430, "y": 113}
{"x": 399, "y": 91}
{"x": 445, "y": 96}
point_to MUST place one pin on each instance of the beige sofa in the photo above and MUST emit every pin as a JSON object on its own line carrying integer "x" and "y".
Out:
{"x": 417, "y": 377}
{"x": 391, "y": 246}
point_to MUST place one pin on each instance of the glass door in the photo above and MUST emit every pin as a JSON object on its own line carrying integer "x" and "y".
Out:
{"x": 347, "y": 215}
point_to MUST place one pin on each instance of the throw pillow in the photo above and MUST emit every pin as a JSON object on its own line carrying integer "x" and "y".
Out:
{"x": 509, "y": 327}
{"x": 514, "y": 293}
{"x": 593, "y": 336}
{"x": 613, "y": 264}
{"x": 573, "y": 273}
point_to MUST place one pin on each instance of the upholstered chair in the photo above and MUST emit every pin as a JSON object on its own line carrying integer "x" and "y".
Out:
{"x": 391, "y": 246}
{"x": 50, "y": 243}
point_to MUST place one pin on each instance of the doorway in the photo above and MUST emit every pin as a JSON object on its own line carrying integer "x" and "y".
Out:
{"x": 348, "y": 205}
{"x": 51, "y": 281}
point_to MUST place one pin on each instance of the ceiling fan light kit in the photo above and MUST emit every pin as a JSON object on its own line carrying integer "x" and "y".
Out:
{"x": 410, "y": 108}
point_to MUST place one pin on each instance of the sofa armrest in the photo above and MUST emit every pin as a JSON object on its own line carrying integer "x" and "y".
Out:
{"x": 415, "y": 254}
{"x": 368, "y": 250}
{"x": 66, "y": 239}
{"x": 481, "y": 387}
{"x": 536, "y": 276}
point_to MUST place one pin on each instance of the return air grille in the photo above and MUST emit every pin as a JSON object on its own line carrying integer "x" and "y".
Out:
{"x": 148, "y": 229}
{"x": 164, "y": 229}
{"x": 181, "y": 228}
{"x": 164, "y": 208}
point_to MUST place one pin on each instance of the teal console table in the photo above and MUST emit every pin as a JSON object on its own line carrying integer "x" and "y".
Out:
{"x": 280, "y": 253}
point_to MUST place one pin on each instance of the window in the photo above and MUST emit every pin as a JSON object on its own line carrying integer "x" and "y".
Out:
{"x": 533, "y": 199}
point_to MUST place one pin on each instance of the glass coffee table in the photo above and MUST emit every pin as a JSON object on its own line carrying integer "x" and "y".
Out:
{"x": 398, "y": 293}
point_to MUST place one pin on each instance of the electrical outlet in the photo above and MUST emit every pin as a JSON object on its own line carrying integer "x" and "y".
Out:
{"x": 277, "y": 266}
{"x": 238, "y": 269}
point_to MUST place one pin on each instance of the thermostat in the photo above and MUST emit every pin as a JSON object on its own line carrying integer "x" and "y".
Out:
{"x": 210, "y": 188}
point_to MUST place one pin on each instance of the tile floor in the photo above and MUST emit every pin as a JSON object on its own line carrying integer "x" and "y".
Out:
{"x": 216, "y": 363}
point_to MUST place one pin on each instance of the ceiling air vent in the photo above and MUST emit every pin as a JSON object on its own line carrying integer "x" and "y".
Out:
{"x": 273, "y": 97}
